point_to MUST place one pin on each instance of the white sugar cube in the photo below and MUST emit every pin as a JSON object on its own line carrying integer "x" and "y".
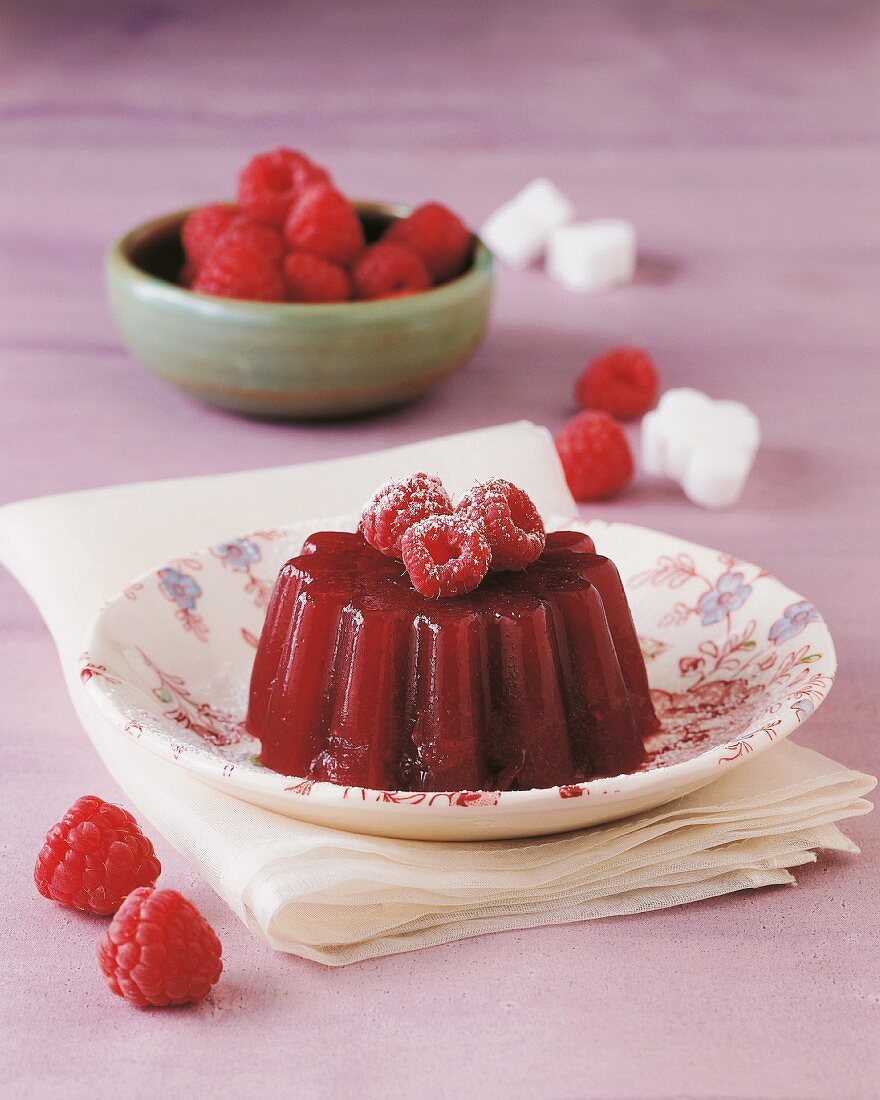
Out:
{"x": 666, "y": 431}
{"x": 513, "y": 237}
{"x": 544, "y": 204}
{"x": 707, "y": 446}
{"x": 716, "y": 479}
{"x": 518, "y": 231}
{"x": 593, "y": 255}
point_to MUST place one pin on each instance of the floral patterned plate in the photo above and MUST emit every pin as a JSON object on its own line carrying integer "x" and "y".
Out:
{"x": 736, "y": 662}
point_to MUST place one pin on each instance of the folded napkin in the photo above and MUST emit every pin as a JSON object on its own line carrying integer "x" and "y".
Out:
{"x": 338, "y": 897}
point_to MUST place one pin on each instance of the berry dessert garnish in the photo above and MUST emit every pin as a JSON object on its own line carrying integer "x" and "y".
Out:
{"x": 446, "y": 675}
{"x": 159, "y": 950}
{"x": 387, "y": 269}
{"x": 509, "y": 521}
{"x": 438, "y": 236}
{"x": 445, "y": 556}
{"x": 397, "y": 505}
{"x": 622, "y": 382}
{"x": 595, "y": 455}
{"x": 94, "y": 857}
{"x": 290, "y": 216}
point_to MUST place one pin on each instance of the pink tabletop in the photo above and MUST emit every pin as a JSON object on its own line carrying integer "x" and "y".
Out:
{"x": 742, "y": 140}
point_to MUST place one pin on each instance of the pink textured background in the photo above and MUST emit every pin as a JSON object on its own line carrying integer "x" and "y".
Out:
{"x": 743, "y": 141}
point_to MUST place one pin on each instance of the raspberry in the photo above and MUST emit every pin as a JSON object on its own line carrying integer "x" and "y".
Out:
{"x": 509, "y": 521}
{"x": 262, "y": 238}
{"x": 622, "y": 382}
{"x": 159, "y": 950}
{"x": 205, "y": 230}
{"x": 397, "y": 505}
{"x": 445, "y": 556}
{"x": 313, "y": 279}
{"x": 595, "y": 455}
{"x": 202, "y": 230}
{"x": 240, "y": 271}
{"x": 389, "y": 270}
{"x": 94, "y": 857}
{"x": 440, "y": 237}
{"x": 272, "y": 182}
{"x": 324, "y": 222}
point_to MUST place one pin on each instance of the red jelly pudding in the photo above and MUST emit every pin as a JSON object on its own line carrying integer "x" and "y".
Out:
{"x": 532, "y": 680}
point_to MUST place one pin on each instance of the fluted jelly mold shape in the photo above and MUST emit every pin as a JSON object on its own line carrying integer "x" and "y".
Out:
{"x": 534, "y": 679}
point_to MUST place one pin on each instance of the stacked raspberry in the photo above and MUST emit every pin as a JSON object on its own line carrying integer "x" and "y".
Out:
{"x": 622, "y": 384}
{"x": 294, "y": 237}
{"x": 448, "y": 550}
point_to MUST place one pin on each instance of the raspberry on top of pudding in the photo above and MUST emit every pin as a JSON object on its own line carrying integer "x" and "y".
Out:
{"x": 456, "y": 675}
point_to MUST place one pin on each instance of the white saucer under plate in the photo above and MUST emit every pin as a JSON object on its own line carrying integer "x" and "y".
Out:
{"x": 736, "y": 660}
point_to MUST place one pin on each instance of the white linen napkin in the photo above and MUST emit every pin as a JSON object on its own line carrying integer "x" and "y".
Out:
{"x": 337, "y": 897}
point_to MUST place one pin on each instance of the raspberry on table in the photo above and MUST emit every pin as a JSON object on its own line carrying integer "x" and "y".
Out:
{"x": 438, "y": 236}
{"x": 622, "y": 382}
{"x": 311, "y": 278}
{"x": 509, "y": 521}
{"x": 202, "y": 230}
{"x": 445, "y": 556}
{"x": 159, "y": 950}
{"x": 388, "y": 270}
{"x": 271, "y": 183}
{"x": 324, "y": 222}
{"x": 397, "y": 505}
{"x": 94, "y": 857}
{"x": 595, "y": 455}
{"x": 240, "y": 271}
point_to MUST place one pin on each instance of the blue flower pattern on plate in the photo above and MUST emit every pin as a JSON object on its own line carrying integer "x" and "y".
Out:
{"x": 730, "y": 592}
{"x": 179, "y": 588}
{"x": 795, "y": 618}
{"x": 803, "y": 708}
{"x": 238, "y": 554}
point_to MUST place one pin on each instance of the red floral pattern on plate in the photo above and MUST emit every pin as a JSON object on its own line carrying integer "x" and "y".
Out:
{"x": 570, "y": 790}
{"x": 88, "y": 669}
{"x": 216, "y": 727}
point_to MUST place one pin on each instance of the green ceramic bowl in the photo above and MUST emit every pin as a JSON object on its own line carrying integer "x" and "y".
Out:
{"x": 291, "y": 360}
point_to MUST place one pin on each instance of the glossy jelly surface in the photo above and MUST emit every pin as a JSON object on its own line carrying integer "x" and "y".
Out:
{"x": 533, "y": 680}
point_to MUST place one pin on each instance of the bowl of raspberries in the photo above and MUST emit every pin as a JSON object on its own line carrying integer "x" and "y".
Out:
{"x": 296, "y": 301}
